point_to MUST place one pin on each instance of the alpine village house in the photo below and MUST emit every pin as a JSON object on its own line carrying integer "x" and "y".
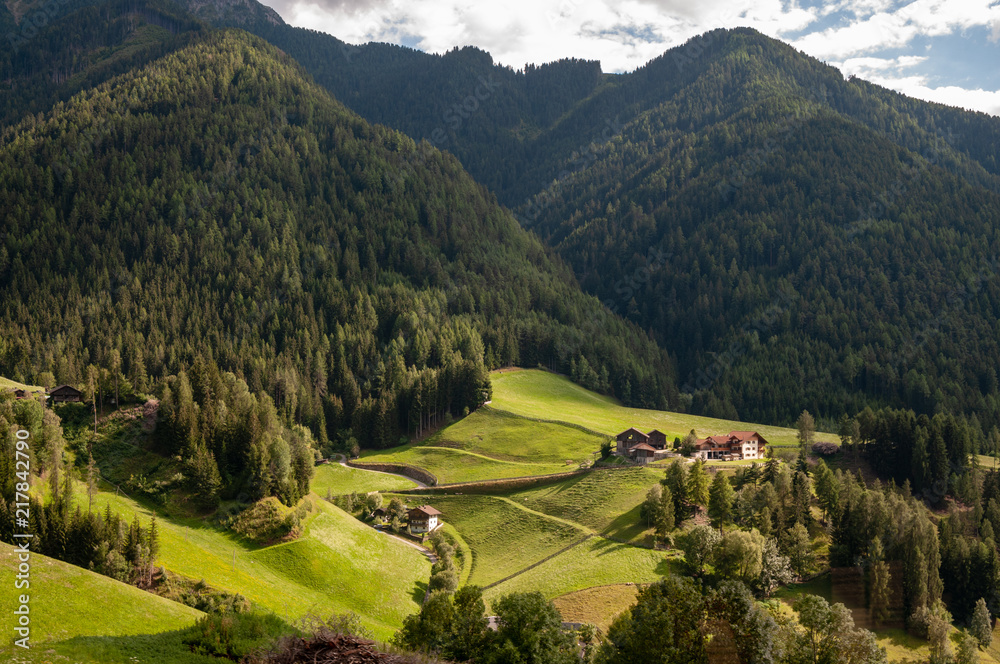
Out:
{"x": 423, "y": 519}
{"x": 646, "y": 447}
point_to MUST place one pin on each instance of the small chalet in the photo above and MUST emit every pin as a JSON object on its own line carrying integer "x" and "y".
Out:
{"x": 642, "y": 453}
{"x": 657, "y": 439}
{"x": 630, "y": 438}
{"x": 64, "y": 394}
{"x": 734, "y": 446}
{"x": 423, "y": 519}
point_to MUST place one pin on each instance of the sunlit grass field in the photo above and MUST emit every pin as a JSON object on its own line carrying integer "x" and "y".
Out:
{"x": 606, "y": 501}
{"x": 596, "y": 562}
{"x": 356, "y": 555}
{"x": 339, "y": 480}
{"x": 85, "y": 617}
{"x": 502, "y": 537}
{"x": 540, "y": 394}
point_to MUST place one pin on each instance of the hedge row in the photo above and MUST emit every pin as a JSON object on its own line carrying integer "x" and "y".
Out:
{"x": 413, "y": 472}
{"x": 507, "y": 484}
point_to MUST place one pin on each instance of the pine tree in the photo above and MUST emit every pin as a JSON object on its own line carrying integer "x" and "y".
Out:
{"x": 981, "y": 626}
{"x": 91, "y": 481}
{"x": 879, "y": 579}
{"x": 807, "y": 429}
{"x": 665, "y": 514}
{"x": 153, "y": 539}
{"x": 720, "y": 501}
{"x": 697, "y": 483}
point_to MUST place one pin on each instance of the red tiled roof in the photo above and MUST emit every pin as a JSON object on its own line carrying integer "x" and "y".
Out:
{"x": 426, "y": 510}
{"x": 644, "y": 446}
{"x": 745, "y": 435}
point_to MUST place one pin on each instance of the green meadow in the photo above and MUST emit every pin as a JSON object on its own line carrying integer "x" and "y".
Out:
{"x": 81, "y": 616}
{"x": 339, "y": 480}
{"x": 606, "y": 501}
{"x": 502, "y": 537}
{"x": 337, "y": 565}
{"x": 451, "y": 465}
{"x": 540, "y": 394}
{"x": 596, "y": 562}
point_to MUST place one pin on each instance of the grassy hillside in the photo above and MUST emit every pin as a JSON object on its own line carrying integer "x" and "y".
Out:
{"x": 607, "y": 502}
{"x": 544, "y": 395}
{"x": 503, "y": 537}
{"x": 8, "y": 384}
{"x": 505, "y": 436}
{"x": 450, "y": 465}
{"x": 596, "y": 562}
{"x": 337, "y": 565}
{"x": 540, "y": 423}
{"x": 598, "y": 605}
{"x": 83, "y": 616}
{"x": 340, "y": 480}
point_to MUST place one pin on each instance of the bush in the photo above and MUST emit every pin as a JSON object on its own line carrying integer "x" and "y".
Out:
{"x": 266, "y": 520}
{"x": 235, "y": 635}
{"x": 825, "y": 449}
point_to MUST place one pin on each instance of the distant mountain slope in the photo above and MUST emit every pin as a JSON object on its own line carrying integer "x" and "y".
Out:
{"x": 57, "y": 49}
{"x": 215, "y": 203}
{"x": 811, "y": 258}
{"x": 735, "y": 183}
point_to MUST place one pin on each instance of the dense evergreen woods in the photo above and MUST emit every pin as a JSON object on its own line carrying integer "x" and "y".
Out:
{"x": 217, "y": 205}
{"x": 794, "y": 239}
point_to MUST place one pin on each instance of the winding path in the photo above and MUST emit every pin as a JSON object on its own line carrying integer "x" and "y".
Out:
{"x": 431, "y": 556}
{"x": 342, "y": 460}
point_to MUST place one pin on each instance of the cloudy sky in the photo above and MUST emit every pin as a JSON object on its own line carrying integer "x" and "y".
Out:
{"x": 940, "y": 50}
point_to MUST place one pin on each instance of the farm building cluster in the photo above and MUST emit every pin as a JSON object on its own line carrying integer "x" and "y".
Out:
{"x": 419, "y": 520}
{"x": 644, "y": 448}
{"x": 61, "y": 394}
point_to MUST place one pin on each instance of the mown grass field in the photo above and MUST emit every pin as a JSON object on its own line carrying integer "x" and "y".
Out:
{"x": 380, "y": 579}
{"x": 8, "y": 384}
{"x": 451, "y": 465}
{"x": 598, "y": 605}
{"x": 606, "y": 501}
{"x": 501, "y": 435}
{"x": 81, "y": 616}
{"x": 339, "y": 480}
{"x": 596, "y": 562}
{"x": 502, "y": 537}
{"x": 540, "y": 394}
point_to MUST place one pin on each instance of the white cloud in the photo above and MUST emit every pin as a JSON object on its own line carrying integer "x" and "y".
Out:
{"x": 895, "y": 28}
{"x": 626, "y": 34}
{"x": 987, "y": 101}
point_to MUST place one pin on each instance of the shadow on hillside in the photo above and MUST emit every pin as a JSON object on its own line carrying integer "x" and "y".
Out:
{"x": 163, "y": 647}
{"x": 627, "y": 526}
{"x": 419, "y": 590}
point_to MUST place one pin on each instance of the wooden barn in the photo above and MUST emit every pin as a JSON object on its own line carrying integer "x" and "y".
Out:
{"x": 630, "y": 438}
{"x": 65, "y": 394}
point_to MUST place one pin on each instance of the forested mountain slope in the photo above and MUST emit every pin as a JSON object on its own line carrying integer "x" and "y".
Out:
{"x": 810, "y": 260}
{"x": 216, "y": 204}
{"x": 795, "y": 239}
